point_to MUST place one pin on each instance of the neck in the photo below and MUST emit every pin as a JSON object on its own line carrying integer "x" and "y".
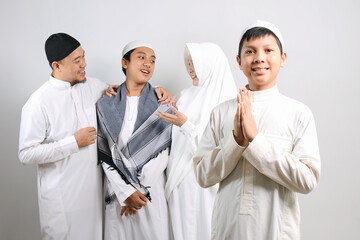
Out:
{"x": 133, "y": 89}
{"x": 72, "y": 83}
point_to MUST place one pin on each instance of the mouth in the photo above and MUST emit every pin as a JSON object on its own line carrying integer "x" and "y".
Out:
{"x": 145, "y": 71}
{"x": 260, "y": 70}
{"x": 82, "y": 72}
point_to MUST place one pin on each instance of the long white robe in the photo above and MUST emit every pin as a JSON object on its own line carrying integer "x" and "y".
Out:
{"x": 151, "y": 221}
{"x": 69, "y": 179}
{"x": 190, "y": 206}
{"x": 258, "y": 184}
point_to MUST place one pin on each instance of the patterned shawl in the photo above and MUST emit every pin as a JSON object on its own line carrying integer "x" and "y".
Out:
{"x": 151, "y": 136}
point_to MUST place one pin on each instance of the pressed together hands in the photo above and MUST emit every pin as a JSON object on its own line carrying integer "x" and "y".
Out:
{"x": 245, "y": 131}
{"x": 245, "y": 128}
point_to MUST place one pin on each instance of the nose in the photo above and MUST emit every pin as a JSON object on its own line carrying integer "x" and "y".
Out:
{"x": 83, "y": 63}
{"x": 259, "y": 57}
{"x": 147, "y": 62}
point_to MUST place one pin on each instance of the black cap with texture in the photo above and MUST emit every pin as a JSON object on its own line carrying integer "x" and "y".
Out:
{"x": 60, "y": 45}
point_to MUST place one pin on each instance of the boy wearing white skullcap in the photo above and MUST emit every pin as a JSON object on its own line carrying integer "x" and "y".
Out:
{"x": 133, "y": 146}
{"x": 261, "y": 147}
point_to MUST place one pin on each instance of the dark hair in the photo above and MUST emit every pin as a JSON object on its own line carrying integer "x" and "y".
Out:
{"x": 255, "y": 33}
{"x": 127, "y": 57}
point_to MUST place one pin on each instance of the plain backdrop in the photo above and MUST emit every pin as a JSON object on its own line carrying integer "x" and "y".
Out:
{"x": 322, "y": 40}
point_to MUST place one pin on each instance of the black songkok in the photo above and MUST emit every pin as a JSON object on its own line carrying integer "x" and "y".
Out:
{"x": 59, "y": 45}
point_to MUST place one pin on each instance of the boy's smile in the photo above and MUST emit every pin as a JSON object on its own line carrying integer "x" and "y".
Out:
{"x": 261, "y": 61}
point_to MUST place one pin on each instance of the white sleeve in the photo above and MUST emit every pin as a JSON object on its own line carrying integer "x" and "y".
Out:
{"x": 215, "y": 158}
{"x": 298, "y": 169}
{"x": 190, "y": 131}
{"x": 33, "y": 133}
{"x": 118, "y": 185}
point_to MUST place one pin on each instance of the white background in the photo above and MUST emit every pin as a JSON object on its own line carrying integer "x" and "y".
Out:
{"x": 322, "y": 39}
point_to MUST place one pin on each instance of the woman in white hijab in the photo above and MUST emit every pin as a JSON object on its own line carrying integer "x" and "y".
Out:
{"x": 190, "y": 206}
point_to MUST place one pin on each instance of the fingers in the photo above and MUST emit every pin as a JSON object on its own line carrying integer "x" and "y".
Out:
{"x": 123, "y": 209}
{"x": 143, "y": 198}
{"x": 173, "y": 108}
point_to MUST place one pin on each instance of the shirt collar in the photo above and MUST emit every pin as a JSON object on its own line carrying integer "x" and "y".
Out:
{"x": 59, "y": 83}
{"x": 264, "y": 95}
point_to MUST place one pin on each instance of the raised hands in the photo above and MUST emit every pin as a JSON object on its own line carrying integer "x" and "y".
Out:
{"x": 245, "y": 128}
{"x": 177, "y": 119}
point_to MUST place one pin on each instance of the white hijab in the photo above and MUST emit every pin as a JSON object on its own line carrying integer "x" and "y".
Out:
{"x": 216, "y": 85}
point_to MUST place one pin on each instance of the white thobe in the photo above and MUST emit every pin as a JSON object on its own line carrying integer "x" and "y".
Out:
{"x": 151, "y": 221}
{"x": 69, "y": 180}
{"x": 258, "y": 184}
{"x": 190, "y": 206}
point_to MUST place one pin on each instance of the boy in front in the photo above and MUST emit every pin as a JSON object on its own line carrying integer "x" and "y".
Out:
{"x": 264, "y": 154}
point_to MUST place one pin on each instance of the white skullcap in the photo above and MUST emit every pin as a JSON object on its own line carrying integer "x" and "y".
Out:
{"x": 135, "y": 44}
{"x": 268, "y": 25}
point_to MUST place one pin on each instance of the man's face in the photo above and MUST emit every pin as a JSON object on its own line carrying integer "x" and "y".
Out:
{"x": 72, "y": 68}
{"x": 191, "y": 71}
{"x": 260, "y": 61}
{"x": 141, "y": 66}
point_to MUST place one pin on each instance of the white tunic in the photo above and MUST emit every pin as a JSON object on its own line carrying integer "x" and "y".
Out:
{"x": 69, "y": 180}
{"x": 151, "y": 221}
{"x": 258, "y": 184}
{"x": 190, "y": 206}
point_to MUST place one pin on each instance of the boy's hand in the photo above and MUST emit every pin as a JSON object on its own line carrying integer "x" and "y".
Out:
{"x": 238, "y": 133}
{"x": 136, "y": 200}
{"x": 248, "y": 123}
{"x": 127, "y": 210}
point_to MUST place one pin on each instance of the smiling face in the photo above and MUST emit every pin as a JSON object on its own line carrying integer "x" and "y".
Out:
{"x": 71, "y": 68}
{"x": 191, "y": 71}
{"x": 141, "y": 65}
{"x": 261, "y": 61}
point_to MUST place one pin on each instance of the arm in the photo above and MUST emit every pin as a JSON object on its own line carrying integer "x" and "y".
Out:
{"x": 215, "y": 158}
{"x": 297, "y": 170}
{"x": 33, "y": 133}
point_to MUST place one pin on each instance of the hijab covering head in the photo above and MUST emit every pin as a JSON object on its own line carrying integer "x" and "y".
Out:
{"x": 265, "y": 24}
{"x": 135, "y": 44}
{"x": 59, "y": 45}
{"x": 216, "y": 85}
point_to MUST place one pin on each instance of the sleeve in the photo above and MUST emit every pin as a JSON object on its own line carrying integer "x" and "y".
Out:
{"x": 118, "y": 185}
{"x": 33, "y": 132}
{"x": 98, "y": 88}
{"x": 190, "y": 131}
{"x": 215, "y": 158}
{"x": 298, "y": 169}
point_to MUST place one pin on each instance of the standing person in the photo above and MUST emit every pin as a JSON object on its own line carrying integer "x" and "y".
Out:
{"x": 57, "y": 133}
{"x": 133, "y": 146}
{"x": 190, "y": 206}
{"x": 262, "y": 156}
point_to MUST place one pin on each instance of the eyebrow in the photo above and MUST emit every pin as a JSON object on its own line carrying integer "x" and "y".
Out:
{"x": 266, "y": 45}
{"x": 79, "y": 56}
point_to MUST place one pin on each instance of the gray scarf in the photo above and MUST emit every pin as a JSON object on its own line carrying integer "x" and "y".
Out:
{"x": 151, "y": 135}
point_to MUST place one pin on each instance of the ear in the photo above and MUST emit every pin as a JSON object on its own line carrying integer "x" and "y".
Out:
{"x": 124, "y": 63}
{"x": 238, "y": 61}
{"x": 55, "y": 66}
{"x": 283, "y": 59}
